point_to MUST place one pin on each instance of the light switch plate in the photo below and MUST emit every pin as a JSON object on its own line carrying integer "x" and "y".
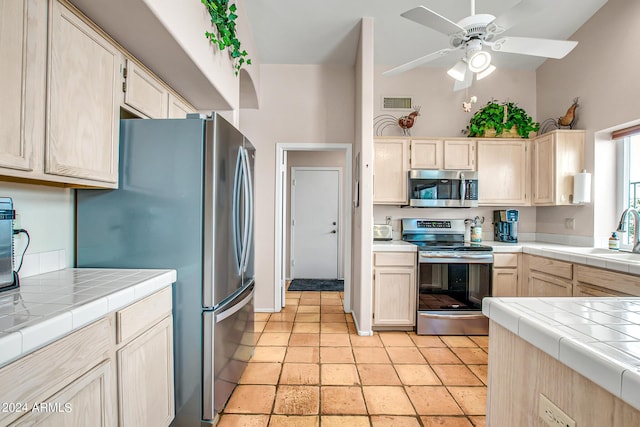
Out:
{"x": 552, "y": 415}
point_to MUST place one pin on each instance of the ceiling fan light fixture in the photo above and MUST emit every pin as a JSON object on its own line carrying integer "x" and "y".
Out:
{"x": 479, "y": 61}
{"x": 481, "y": 75}
{"x": 458, "y": 71}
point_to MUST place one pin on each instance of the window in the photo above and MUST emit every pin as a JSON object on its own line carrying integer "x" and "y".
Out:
{"x": 629, "y": 178}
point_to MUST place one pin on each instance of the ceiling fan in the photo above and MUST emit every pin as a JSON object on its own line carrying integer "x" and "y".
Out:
{"x": 473, "y": 33}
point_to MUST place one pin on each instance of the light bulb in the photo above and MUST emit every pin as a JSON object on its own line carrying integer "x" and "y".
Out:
{"x": 481, "y": 75}
{"x": 458, "y": 71}
{"x": 479, "y": 61}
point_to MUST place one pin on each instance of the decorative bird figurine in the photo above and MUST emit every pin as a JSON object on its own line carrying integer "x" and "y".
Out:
{"x": 405, "y": 123}
{"x": 570, "y": 116}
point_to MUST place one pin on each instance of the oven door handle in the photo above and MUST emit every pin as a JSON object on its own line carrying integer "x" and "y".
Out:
{"x": 452, "y": 316}
{"x": 437, "y": 258}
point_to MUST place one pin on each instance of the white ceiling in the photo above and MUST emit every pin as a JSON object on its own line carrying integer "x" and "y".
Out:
{"x": 326, "y": 31}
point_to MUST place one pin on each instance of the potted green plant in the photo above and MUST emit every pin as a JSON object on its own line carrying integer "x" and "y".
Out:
{"x": 501, "y": 120}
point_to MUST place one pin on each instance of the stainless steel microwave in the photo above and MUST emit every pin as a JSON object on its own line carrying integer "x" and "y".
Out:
{"x": 443, "y": 189}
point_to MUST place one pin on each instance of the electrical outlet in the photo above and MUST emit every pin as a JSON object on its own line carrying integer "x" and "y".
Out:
{"x": 552, "y": 415}
{"x": 570, "y": 223}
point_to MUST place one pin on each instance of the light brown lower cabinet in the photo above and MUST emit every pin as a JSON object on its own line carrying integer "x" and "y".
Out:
{"x": 505, "y": 275}
{"x": 394, "y": 290}
{"x": 92, "y": 378}
{"x": 85, "y": 402}
{"x": 547, "y": 277}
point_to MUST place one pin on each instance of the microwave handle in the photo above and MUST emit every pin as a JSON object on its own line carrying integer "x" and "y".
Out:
{"x": 463, "y": 188}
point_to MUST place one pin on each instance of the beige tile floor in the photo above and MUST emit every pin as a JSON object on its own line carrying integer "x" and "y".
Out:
{"x": 310, "y": 368}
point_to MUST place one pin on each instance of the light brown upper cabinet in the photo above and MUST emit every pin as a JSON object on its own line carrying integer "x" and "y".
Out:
{"x": 144, "y": 93}
{"x": 426, "y": 153}
{"x": 84, "y": 90}
{"x": 390, "y": 171}
{"x": 177, "y": 108}
{"x": 557, "y": 157}
{"x": 443, "y": 154}
{"x": 23, "y": 43}
{"x": 460, "y": 155}
{"x": 503, "y": 172}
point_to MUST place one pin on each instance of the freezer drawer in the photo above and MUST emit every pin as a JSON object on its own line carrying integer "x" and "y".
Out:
{"x": 228, "y": 345}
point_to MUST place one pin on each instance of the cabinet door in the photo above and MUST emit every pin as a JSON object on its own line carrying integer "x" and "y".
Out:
{"x": 88, "y": 401}
{"x": 394, "y": 297}
{"x": 144, "y": 93}
{"x": 502, "y": 172}
{"x": 145, "y": 378}
{"x": 177, "y": 108}
{"x": 390, "y": 173}
{"x": 542, "y": 285}
{"x": 23, "y": 40}
{"x": 426, "y": 153}
{"x": 586, "y": 290}
{"x": 460, "y": 155}
{"x": 84, "y": 87}
{"x": 543, "y": 177}
{"x": 505, "y": 282}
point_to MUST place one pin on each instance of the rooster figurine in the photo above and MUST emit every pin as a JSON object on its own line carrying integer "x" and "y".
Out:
{"x": 404, "y": 122}
{"x": 570, "y": 116}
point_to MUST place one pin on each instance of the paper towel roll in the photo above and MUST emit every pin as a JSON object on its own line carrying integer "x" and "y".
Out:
{"x": 582, "y": 187}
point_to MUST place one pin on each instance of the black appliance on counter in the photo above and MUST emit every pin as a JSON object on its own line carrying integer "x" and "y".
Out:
{"x": 505, "y": 225}
{"x": 8, "y": 277}
{"x": 453, "y": 277}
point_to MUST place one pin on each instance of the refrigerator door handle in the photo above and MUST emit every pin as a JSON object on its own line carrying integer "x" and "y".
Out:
{"x": 237, "y": 307}
{"x": 235, "y": 207}
{"x": 248, "y": 211}
{"x": 250, "y": 181}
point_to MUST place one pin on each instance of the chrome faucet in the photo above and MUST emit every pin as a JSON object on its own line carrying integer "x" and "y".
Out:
{"x": 622, "y": 227}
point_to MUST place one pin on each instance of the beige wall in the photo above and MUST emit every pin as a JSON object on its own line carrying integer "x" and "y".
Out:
{"x": 441, "y": 108}
{"x": 314, "y": 159}
{"x": 298, "y": 104}
{"x": 603, "y": 71}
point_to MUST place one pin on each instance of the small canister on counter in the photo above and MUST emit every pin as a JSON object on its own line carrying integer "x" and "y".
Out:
{"x": 476, "y": 230}
{"x": 614, "y": 242}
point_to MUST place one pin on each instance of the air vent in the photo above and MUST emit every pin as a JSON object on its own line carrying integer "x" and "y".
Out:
{"x": 397, "y": 103}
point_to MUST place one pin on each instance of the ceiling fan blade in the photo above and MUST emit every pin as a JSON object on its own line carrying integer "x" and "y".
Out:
{"x": 536, "y": 47}
{"x": 518, "y": 13}
{"x": 460, "y": 85}
{"x": 417, "y": 62}
{"x": 431, "y": 19}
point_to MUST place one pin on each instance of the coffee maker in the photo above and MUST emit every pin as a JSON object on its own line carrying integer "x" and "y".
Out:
{"x": 8, "y": 277}
{"x": 505, "y": 225}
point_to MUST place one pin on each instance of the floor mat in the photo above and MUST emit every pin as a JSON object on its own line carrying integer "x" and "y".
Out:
{"x": 316, "y": 285}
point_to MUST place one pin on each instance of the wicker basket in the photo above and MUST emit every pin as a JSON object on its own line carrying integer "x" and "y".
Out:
{"x": 511, "y": 133}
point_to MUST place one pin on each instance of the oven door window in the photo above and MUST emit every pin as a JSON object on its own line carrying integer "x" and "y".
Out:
{"x": 453, "y": 286}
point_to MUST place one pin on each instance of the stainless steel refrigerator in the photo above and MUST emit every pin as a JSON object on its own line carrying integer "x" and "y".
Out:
{"x": 185, "y": 201}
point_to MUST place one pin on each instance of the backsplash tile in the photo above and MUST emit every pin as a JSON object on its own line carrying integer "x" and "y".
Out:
{"x": 43, "y": 262}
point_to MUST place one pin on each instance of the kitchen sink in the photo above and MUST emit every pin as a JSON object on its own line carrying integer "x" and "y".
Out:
{"x": 607, "y": 254}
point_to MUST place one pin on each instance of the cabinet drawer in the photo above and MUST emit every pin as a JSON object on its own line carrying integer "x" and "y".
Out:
{"x": 551, "y": 266}
{"x": 37, "y": 376}
{"x": 505, "y": 260}
{"x": 140, "y": 316}
{"x": 611, "y": 282}
{"x": 394, "y": 259}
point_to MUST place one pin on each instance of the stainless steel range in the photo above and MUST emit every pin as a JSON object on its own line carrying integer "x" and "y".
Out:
{"x": 453, "y": 277}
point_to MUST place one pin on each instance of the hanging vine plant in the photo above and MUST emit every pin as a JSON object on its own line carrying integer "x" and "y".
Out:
{"x": 223, "y": 17}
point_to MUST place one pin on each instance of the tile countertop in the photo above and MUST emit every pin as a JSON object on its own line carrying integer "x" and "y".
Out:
{"x": 624, "y": 262}
{"x": 598, "y": 338}
{"x": 48, "y": 306}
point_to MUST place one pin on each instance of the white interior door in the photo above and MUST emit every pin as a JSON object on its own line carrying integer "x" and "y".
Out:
{"x": 315, "y": 228}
